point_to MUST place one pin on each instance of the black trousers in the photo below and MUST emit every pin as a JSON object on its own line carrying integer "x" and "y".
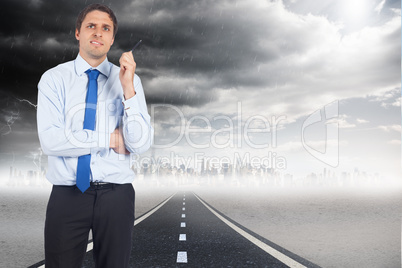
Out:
{"x": 71, "y": 214}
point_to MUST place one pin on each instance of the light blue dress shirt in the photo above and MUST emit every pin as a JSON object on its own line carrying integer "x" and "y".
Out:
{"x": 60, "y": 116}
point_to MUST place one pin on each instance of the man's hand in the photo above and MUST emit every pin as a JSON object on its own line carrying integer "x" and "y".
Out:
{"x": 127, "y": 70}
{"x": 117, "y": 142}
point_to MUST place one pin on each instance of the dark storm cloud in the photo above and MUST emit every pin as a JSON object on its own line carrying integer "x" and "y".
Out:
{"x": 203, "y": 37}
{"x": 181, "y": 97}
{"x": 215, "y": 40}
{"x": 220, "y": 43}
{"x": 25, "y": 50}
{"x": 207, "y": 46}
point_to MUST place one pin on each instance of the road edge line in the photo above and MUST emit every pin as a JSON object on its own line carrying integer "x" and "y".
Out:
{"x": 149, "y": 213}
{"x": 270, "y": 250}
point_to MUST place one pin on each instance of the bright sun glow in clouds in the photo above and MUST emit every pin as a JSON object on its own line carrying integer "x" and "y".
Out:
{"x": 355, "y": 13}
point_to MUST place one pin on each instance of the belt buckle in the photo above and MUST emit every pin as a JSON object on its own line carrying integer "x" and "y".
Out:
{"x": 99, "y": 184}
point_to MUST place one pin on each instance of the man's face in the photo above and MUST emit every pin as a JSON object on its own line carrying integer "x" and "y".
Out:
{"x": 95, "y": 36}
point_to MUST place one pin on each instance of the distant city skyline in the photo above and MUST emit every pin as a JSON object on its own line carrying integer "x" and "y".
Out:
{"x": 241, "y": 173}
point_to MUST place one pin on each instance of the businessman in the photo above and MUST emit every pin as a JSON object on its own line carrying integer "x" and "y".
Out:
{"x": 91, "y": 116}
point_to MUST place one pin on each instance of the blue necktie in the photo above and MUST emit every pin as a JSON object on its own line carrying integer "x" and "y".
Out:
{"x": 83, "y": 166}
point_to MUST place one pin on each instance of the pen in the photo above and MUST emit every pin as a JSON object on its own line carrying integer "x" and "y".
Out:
{"x": 136, "y": 45}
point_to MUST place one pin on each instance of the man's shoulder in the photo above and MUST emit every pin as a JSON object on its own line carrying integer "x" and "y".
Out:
{"x": 61, "y": 70}
{"x": 56, "y": 75}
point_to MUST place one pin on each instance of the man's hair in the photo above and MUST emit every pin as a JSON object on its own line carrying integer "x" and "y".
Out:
{"x": 98, "y": 7}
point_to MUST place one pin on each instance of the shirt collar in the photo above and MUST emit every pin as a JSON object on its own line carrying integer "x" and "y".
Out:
{"x": 81, "y": 66}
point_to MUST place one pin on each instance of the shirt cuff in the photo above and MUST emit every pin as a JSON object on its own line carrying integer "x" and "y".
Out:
{"x": 132, "y": 106}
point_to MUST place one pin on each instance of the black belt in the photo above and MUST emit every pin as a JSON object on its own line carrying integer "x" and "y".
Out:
{"x": 101, "y": 185}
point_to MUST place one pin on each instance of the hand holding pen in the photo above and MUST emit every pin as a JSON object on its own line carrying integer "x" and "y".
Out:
{"x": 127, "y": 70}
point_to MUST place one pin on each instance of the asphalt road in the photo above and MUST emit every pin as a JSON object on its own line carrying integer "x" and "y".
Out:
{"x": 185, "y": 231}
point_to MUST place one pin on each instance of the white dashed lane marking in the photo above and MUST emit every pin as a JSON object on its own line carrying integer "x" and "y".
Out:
{"x": 182, "y": 237}
{"x": 182, "y": 257}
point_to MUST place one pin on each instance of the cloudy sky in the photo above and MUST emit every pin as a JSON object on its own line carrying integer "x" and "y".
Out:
{"x": 308, "y": 84}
